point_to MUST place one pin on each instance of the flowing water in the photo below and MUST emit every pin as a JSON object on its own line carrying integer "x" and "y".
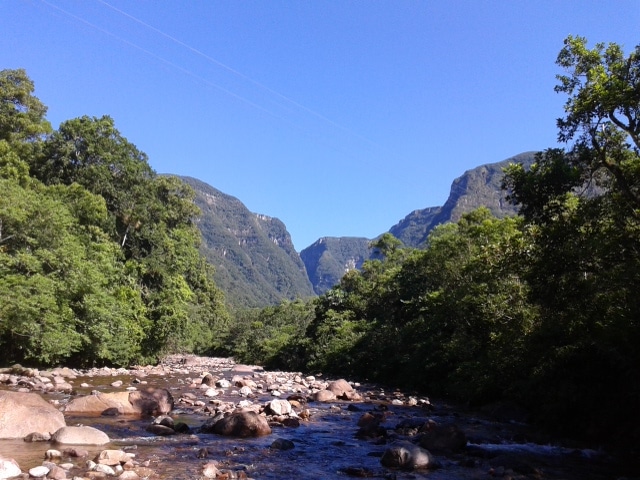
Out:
{"x": 325, "y": 447}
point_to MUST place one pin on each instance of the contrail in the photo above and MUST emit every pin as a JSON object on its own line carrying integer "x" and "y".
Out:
{"x": 164, "y": 60}
{"x": 240, "y": 74}
{"x": 199, "y": 78}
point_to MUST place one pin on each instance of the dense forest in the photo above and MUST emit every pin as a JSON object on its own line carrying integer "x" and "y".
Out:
{"x": 541, "y": 309}
{"x": 99, "y": 264}
{"x": 99, "y": 260}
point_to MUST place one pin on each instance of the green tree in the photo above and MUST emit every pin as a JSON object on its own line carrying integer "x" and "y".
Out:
{"x": 22, "y": 115}
{"x": 584, "y": 263}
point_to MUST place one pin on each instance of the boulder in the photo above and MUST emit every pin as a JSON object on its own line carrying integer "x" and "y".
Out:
{"x": 80, "y": 436}
{"x": 279, "y": 407}
{"x": 242, "y": 424}
{"x": 9, "y": 468}
{"x": 148, "y": 401}
{"x": 340, "y": 387}
{"x": 324, "y": 396}
{"x": 25, "y": 413}
{"x": 406, "y": 456}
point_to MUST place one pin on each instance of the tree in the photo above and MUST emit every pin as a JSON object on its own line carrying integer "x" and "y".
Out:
{"x": 22, "y": 115}
{"x": 582, "y": 208}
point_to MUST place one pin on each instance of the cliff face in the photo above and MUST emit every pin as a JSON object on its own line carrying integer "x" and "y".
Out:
{"x": 329, "y": 258}
{"x": 253, "y": 255}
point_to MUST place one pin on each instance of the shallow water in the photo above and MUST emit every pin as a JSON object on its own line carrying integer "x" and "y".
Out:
{"x": 325, "y": 446}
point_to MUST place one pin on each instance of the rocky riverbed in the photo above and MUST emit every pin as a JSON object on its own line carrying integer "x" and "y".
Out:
{"x": 194, "y": 417}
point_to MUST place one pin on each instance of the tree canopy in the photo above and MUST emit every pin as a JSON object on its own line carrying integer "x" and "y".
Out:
{"x": 99, "y": 259}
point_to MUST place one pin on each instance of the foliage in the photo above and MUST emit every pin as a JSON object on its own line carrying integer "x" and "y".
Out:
{"x": 272, "y": 336}
{"x": 585, "y": 265}
{"x": 256, "y": 264}
{"x": 99, "y": 260}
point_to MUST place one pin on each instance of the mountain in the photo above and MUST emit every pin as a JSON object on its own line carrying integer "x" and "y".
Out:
{"x": 253, "y": 255}
{"x": 329, "y": 258}
{"x": 475, "y": 188}
{"x": 257, "y": 265}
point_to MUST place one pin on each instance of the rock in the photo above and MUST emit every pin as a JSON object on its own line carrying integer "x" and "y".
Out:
{"x": 76, "y": 452}
{"x": 282, "y": 444}
{"x": 37, "y": 437}
{"x": 242, "y": 424}
{"x": 9, "y": 468}
{"x": 279, "y": 407}
{"x": 324, "y": 396}
{"x": 339, "y": 387}
{"x": 223, "y": 383}
{"x": 53, "y": 454}
{"x": 161, "y": 430}
{"x": 80, "y": 436}
{"x": 106, "y": 469}
{"x": 406, "y": 455}
{"x": 38, "y": 472}
{"x": 210, "y": 470}
{"x": 246, "y": 391}
{"x": 148, "y": 401}
{"x": 444, "y": 438}
{"x": 56, "y": 472}
{"x": 128, "y": 475}
{"x": 24, "y": 413}
{"x": 208, "y": 380}
{"x": 113, "y": 457}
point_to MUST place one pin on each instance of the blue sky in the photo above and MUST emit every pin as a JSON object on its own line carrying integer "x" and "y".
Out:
{"x": 337, "y": 117}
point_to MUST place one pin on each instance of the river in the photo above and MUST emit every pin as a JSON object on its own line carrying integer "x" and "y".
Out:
{"x": 325, "y": 446}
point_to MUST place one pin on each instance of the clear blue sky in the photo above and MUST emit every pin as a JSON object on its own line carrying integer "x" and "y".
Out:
{"x": 337, "y": 117}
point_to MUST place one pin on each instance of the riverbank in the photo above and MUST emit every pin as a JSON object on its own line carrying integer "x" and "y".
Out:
{"x": 347, "y": 435}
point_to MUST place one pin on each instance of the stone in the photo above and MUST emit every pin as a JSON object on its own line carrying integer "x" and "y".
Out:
{"x": 223, "y": 383}
{"x": 106, "y": 469}
{"x": 113, "y": 457}
{"x": 242, "y": 424}
{"x": 406, "y": 455}
{"x": 38, "y": 472}
{"x": 52, "y": 454}
{"x": 279, "y": 407}
{"x": 80, "y": 436}
{"x": 76, "y": 452}
{"x": 161, "y": 430}
{"x": 9, "y": 468}
{"x": 324, "y": 396}
{"x": 208, "y": 380}
{"x": 210, "y": 470}
{"x": 282, "y": 444}
{"x": 24, "y": 413}
{"x": 128, "y": 475}
{"x": 37, "y": 437}
{"x": 339, "y": 387}
{"x": 147, "y": 401}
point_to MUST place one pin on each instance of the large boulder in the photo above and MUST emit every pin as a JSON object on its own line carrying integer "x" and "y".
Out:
{"x": 150, "y": 401}
{"x": 340, "y": 387}
{"x": 80, "y": 436}
{"x": 25, "y": 413}
{"x": 242, "y": 424}
{"x": 406, "y": 456}
{"x": 9, "y": 468}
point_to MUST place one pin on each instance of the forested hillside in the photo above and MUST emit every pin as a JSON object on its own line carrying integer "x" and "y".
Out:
{"x": 99, "y": 260}
{"x": 253, "y": 255}
{"x": 328, "y": 259}
{"x": 539, "y": 310}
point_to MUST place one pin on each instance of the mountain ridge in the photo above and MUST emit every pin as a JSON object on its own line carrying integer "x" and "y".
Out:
{"x": 256, "y": 263}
